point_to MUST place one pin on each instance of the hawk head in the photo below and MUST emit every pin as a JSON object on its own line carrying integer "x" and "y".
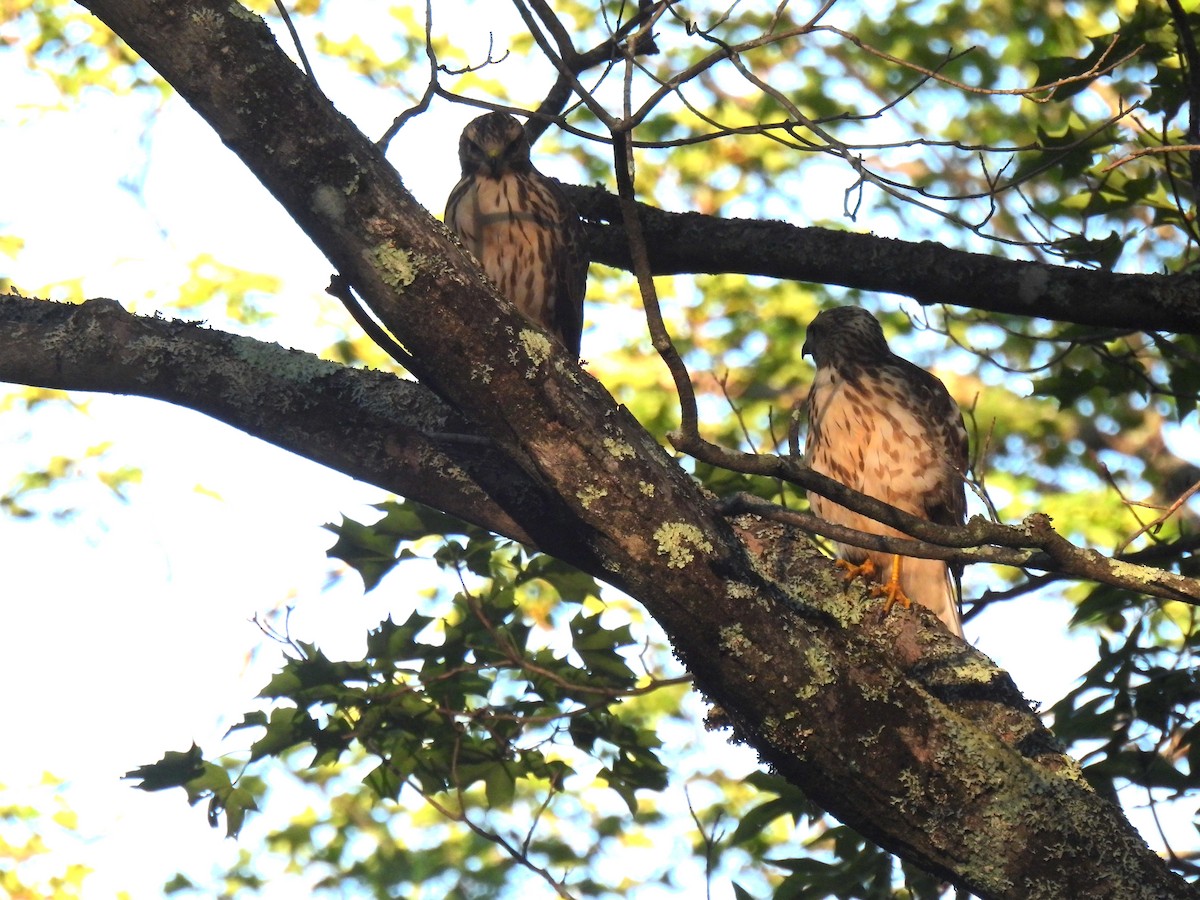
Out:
{"x": 492, "y": 145}
{"x": 844, "y": 334}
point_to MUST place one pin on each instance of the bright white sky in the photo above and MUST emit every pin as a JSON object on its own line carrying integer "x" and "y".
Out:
{"x": 126, "y": 631}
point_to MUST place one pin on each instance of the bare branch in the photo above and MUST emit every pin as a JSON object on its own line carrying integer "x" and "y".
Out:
{"x": 368, "y": 424}
{"x": 296, "y": 42}
{"x": 1173, "y": 508}
{"x": 1099, "y": 69}
{"x": 376, "y": 332}
{"x": 563, "y": 66}
{"x": 1190, "y": 149}
{"x": 929, "y": 273}
{"x": 574, "y": 63}
{"x": 623, "y": 167}
{"x": 1013, "y": 546}
{"x": 1191, "y": 68}
{"x": 432, "y": 88}
{"x": 487, "y": 834}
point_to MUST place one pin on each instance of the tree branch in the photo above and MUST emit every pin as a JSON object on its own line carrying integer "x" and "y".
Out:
{"x": 370, "y": 425}
{"x": 1034, "y": 544}
{"x": 927, "y": 272}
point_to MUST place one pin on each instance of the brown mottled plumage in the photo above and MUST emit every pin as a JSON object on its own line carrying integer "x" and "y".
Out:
{"x": 520, "y": 226}
{"x": 889, "y": 429}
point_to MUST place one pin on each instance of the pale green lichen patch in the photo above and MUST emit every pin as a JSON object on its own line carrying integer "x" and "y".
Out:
{"x": 872, "y": 738}
{"x": 1070, "y": 770}
{"x": 678, "y": 541}
{"x": 830, "y": 593}
{"x": 739, "y": 591}
{"x": 536, "y": 345}
{"x": 351, "y": 188}
{"x": 454, "y": 473}
{"x": 1031, "y": 285}
{"x": 482, "y": 372}
{"x": 734, "y": 640}
{"x": 619, "y": 449}
{"x": 590, "y": 495}
{"x": 913, "y": 783}
{"x": 878, "y": 691}
{"x": 393, "y": 265}
{"x": 242, "y": 13}
{"x": 209, "y": 21}
{"x": 646, "y": 488}
{"x": 1131, "y": 571}
{"x": 821, "y": 671}
{"x": 328, "y": 202}
{"x": 294, "y": 366}
{"x": 974, "y": 670}
{"x": 571, "y": 373}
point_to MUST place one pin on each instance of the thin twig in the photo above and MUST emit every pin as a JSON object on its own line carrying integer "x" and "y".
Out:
{"x": 1170, "y": 511}
{"x": 492, "y": 837}
{"x": 1096, "y": 71}
{"x": 564, "y": 69}
{"x": 623, "y": 159}
{"x": 1191, "y": 70}
{"x": 431, "y": 87}
{"x": 1033, "y": 544}
{"x": 1031, "y": 584}
{"x": 340, "y": 288}
{"x": 710, "y": 842}
{"x": 1131, "y": 505}
{"x": 1148, "y": 151}
{"x": 287, "y": 21}
{"x": 723, "y": 383}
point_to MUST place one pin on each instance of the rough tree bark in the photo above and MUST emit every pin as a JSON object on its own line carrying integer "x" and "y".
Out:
{"x": 891, "y": 724}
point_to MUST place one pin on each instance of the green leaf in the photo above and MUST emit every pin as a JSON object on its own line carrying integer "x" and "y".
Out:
{"x": 175, "y": 769}
{"x": 369, "y": 552}
{"x": 287, "y": 727}
{"x": 384, "y": 781}
{"x": 1104, "y": 251}
{"x": 500, "y": 786}
{"x": 236, "y": 804}
{"x": 391, "y": 641}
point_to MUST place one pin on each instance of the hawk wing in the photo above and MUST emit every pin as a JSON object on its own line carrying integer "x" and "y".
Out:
{"x": 571, "y": 271}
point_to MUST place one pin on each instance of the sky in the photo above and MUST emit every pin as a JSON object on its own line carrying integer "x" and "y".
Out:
{"x": 128, "y": 627}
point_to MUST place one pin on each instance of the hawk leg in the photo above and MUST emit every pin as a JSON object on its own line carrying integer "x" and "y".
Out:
{"x": 866, "y": 570}
{"x": 892, "y": 590}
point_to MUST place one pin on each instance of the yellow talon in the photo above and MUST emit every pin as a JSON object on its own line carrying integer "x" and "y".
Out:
{"x": 865, "y": 570}
{"x": 892, "y": 590}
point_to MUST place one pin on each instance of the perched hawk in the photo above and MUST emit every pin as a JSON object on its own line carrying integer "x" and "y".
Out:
{"x": 890, "y": 430}
{"x": 520, "y": 226}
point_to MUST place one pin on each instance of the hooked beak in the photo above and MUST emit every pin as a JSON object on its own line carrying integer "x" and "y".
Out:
{"x": 493, "y": 160}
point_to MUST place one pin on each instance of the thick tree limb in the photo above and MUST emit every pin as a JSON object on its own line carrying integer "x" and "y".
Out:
{"x": 928, "y": 272}
{"x": 371, "y": 425}
{"x": 895, "y": 726}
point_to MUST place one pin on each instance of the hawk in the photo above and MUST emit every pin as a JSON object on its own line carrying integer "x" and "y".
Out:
{"x": 520, "y": 226}
{"x": 889, "y": 429}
